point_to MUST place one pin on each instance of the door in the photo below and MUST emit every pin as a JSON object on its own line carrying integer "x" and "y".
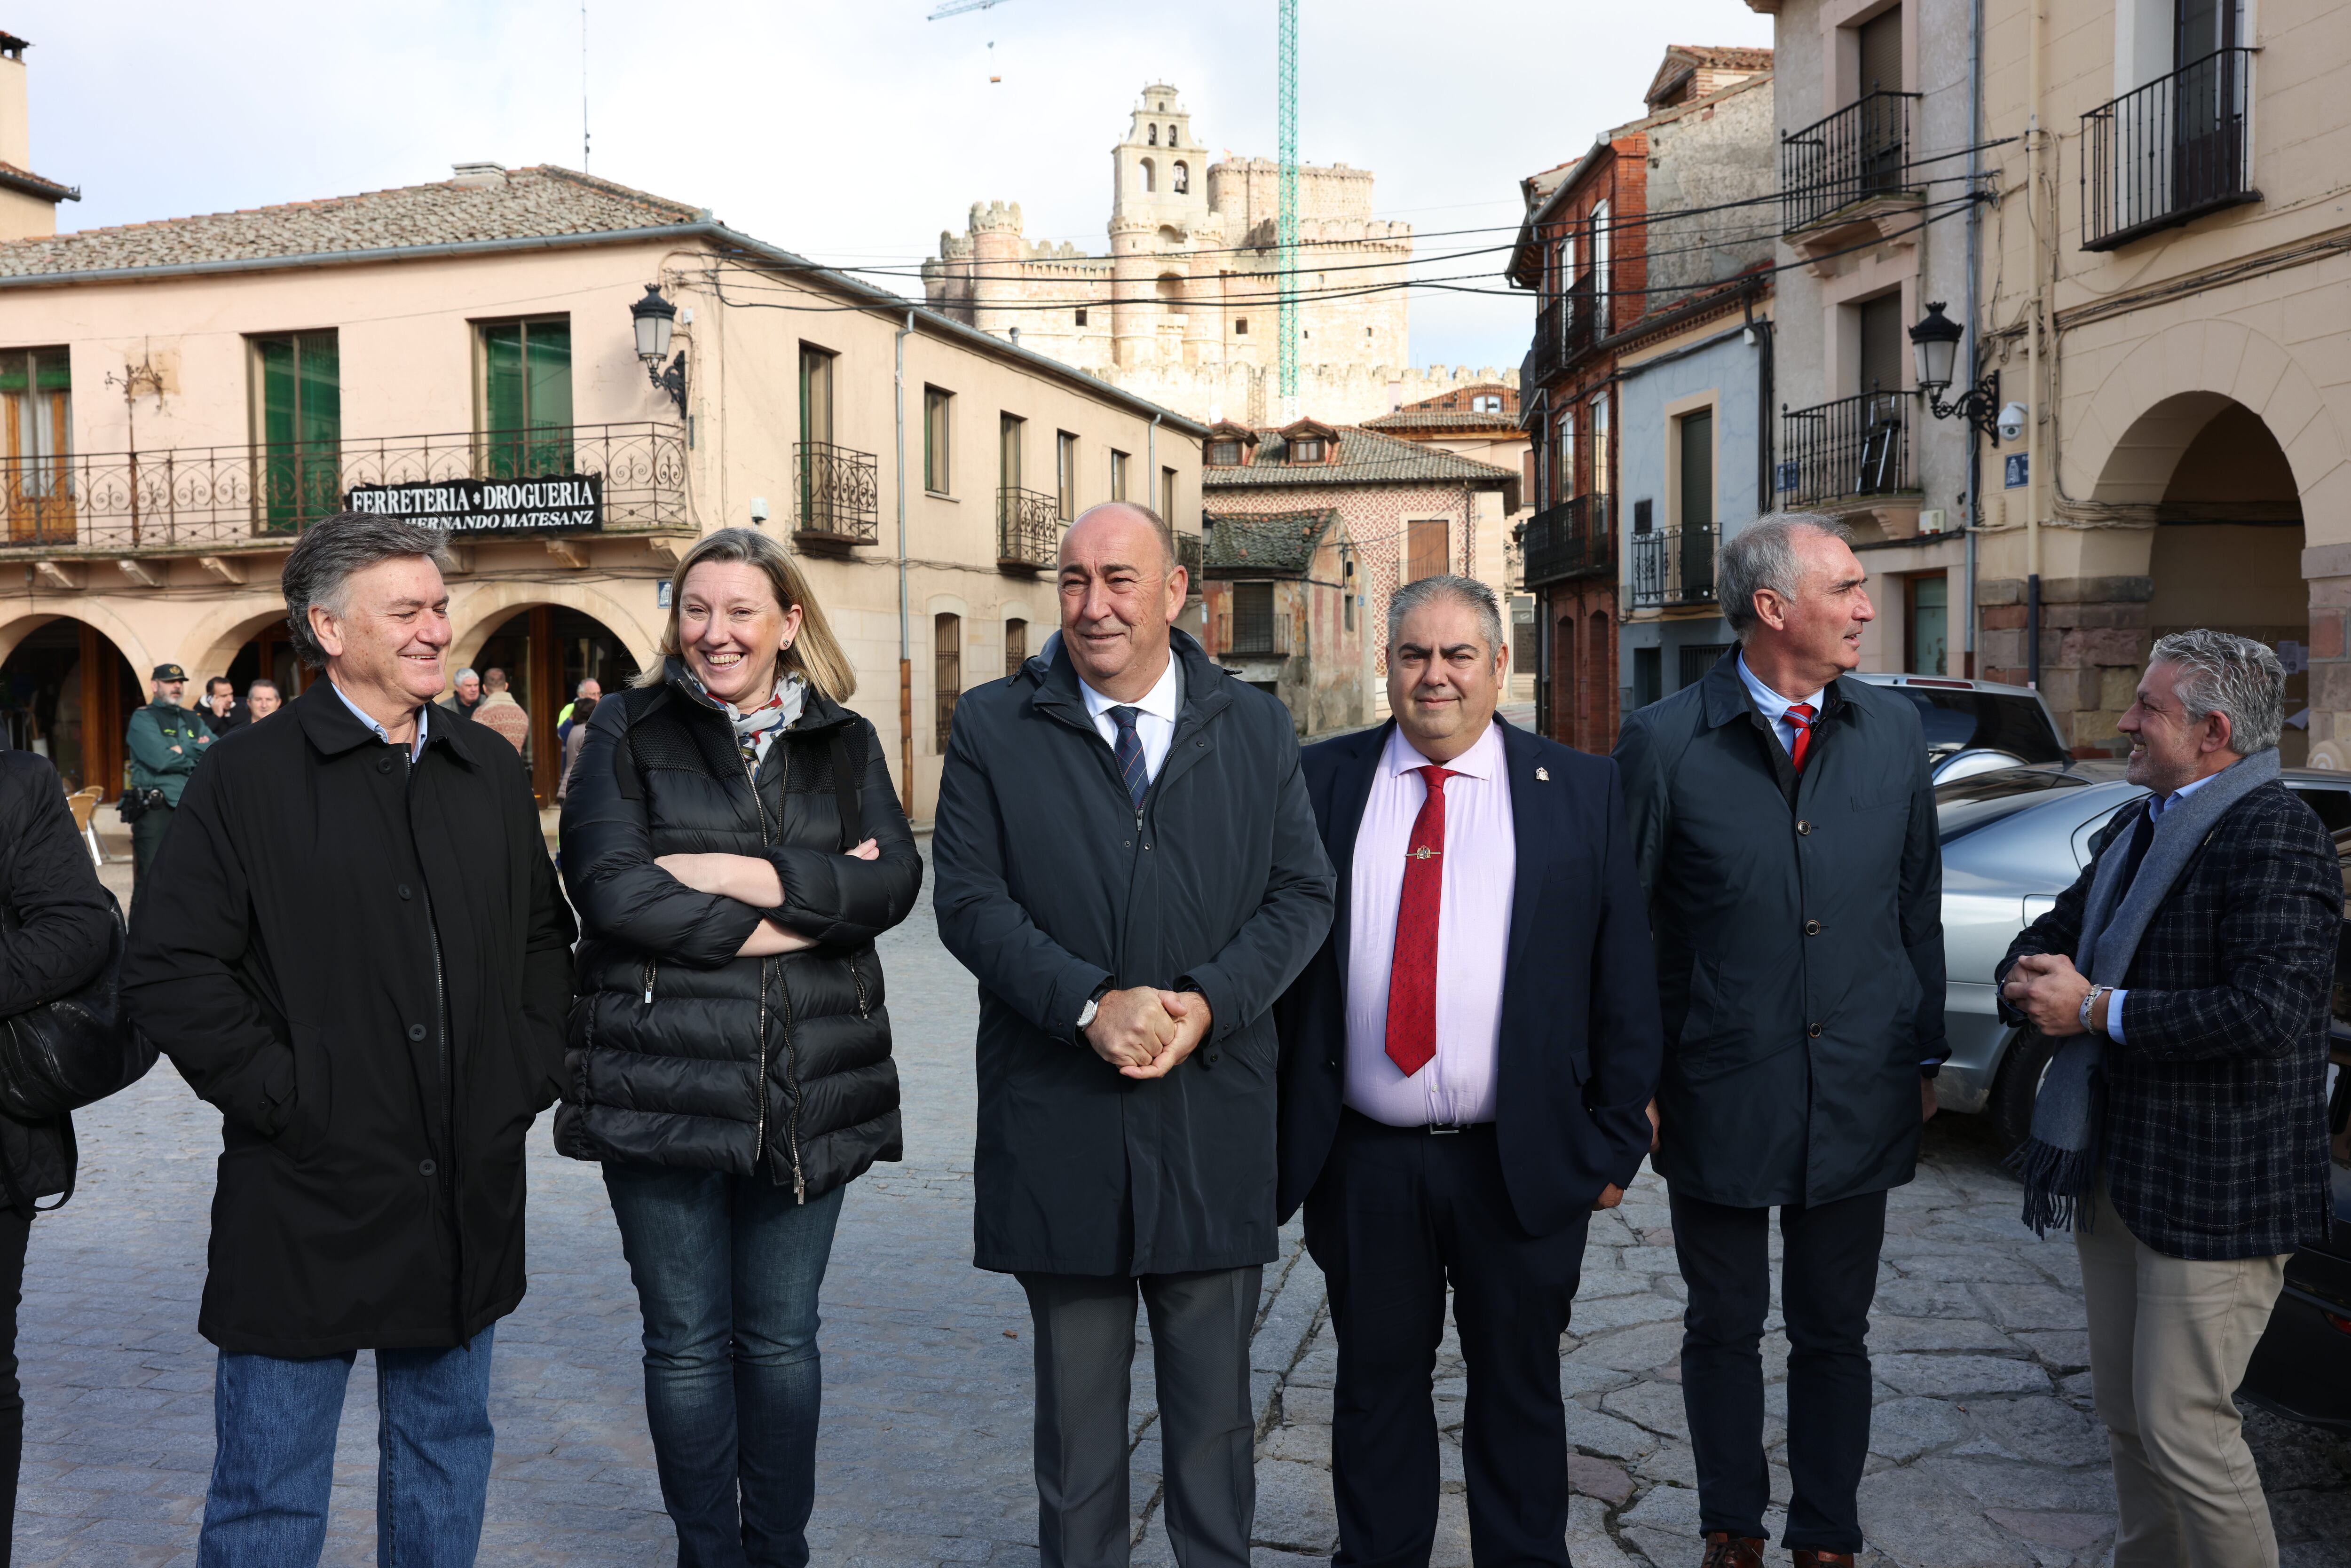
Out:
{"x": 526, "y": 398}
{"x": 946, "y": 675}
{"x": 298, "y": 476}
{"x": 37, "y": 404}
{"x": 1695, "y": 547}
{"x": 1878, "y": 145}
{"x": 815, "y": 468}
{"x": 1930, "y": 624}
{"x": 2208, "y": 113}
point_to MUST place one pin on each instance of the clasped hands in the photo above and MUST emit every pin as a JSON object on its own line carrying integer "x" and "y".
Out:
{"x": 749, "y": 879}
{"x": 2048, "y": 990}
{"x": 1146, "y": 1032}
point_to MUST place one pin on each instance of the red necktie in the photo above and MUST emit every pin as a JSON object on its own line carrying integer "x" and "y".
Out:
{"x": 1801, "y": 715}
{"x": 1412, "y": 973}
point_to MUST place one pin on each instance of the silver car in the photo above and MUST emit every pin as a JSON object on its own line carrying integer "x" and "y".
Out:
{"x": 1977, "y": 727}
{"x": 2013, "y": 839}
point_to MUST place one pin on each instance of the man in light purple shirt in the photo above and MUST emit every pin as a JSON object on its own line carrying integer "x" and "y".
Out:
{"x": 1466, "y": 1067}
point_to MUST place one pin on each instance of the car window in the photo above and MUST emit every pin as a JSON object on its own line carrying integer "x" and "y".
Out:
{"x": 1965, "y": 805}
{"x": 1972, "y": 720}
{"x": 2332, "y": 803}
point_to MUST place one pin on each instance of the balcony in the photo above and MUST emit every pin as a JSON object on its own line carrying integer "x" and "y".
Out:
{"x": 1674, "y": 567}
{"x": 1028, "y": 529}
{"x": 2174, "y": 150}
{"x": 836, "y": 498}
{"x": 1859, "y": 154}
{"x": 1572, "y": 539}
{"x": 1854, "y": 446}
{"x": 218, "y": 498}
{"x": 1564, "y": 332}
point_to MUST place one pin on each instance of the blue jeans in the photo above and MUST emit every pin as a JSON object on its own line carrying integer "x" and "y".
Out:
{"x": 728, "y": 1270}
{"x": 274, "y": 1468}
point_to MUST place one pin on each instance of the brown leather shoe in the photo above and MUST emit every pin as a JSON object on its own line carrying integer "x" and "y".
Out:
{"x": 1807, "y": 1558}
{"x": 1724, "y": 1549}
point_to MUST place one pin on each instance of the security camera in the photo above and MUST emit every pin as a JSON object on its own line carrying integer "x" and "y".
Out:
{"x": 758, "y": 509}
{"x": 2011, "y": 421}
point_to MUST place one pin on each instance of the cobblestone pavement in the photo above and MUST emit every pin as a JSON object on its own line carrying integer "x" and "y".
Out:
{"x": 1982, "y": 1453}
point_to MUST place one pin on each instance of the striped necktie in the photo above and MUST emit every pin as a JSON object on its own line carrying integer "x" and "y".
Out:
{"x": 1130, "y": 766}
{"x": 1801, "y": 715}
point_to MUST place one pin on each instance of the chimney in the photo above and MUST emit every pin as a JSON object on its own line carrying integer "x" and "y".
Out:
{"x": 15, "y": 113}
{"x": 478, "y": 176}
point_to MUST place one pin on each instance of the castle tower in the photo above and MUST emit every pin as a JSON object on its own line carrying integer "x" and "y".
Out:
{"x": 997, "y": 252}
{"x": 1159, "y": 205}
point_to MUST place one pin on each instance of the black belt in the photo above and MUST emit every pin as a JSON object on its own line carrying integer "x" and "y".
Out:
{"x": 1426, "y": 1129}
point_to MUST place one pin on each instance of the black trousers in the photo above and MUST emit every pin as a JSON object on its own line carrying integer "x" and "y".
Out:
{"x": 1084, "y": 1330}
{"x": 16, "y": 1229}
{"x": 1398, "y": 1213}
{"x": 147, "y": 837}
{"x": 1828, "y": 1278}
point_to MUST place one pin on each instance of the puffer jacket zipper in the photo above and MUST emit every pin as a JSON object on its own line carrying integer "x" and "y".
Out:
{"x": 791, "y": 1054}
{"x": 447, "y": 1169}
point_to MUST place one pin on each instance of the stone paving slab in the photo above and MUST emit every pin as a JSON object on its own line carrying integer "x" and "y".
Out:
{"x": 1982, "y": 1451}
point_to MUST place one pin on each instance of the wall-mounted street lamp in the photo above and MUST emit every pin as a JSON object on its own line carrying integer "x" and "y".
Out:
{"x": 1934, "y": 349}
{"x": 655, "y": 318}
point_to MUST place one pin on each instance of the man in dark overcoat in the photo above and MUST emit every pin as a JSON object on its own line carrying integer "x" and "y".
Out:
{"x": 1783, "y": 819}
{"x": 359, "y": 955}
{"x": 1127, "y": 862}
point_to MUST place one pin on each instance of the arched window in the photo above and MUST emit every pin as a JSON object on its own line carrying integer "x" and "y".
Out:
{"x": 1150, "y": 176}
{"x": 1171, "y": 290}
{"x": 1153, "y": 139}
{"x": 1183, "y": 177}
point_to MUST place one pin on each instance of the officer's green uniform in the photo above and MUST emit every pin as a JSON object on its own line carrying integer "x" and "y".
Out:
{"x": 155, "y": 729}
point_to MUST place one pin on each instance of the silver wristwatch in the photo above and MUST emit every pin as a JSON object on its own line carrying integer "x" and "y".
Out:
{"x": 2090, "y": 1005}
{"x": 1094, "y": 1005}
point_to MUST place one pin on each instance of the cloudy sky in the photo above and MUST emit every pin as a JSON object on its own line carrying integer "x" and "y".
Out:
{"x": 851, "y": 130}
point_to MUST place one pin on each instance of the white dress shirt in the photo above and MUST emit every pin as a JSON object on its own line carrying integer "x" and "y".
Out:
{"x": 423, "y": 717}
{"x": 1774, "y": 707}
{"x": 2157, "y": 805}
{"x": 1473, "y": 934}
{"x": 1154, "y": 724}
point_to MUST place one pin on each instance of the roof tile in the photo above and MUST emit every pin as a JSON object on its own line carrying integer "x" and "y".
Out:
{"x": 1365, "y": 457}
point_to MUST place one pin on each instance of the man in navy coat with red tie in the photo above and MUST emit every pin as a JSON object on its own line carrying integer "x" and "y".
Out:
{"x": 1466, "y": 1071}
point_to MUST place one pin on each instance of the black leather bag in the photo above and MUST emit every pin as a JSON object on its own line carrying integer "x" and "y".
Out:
{"x": 76, "y": 1049}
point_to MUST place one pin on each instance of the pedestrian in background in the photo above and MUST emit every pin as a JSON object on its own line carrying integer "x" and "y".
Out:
{"x": 58, "y": 935}
{"x": 734, "y": 846}
{"x": 573, "y": 715}
{"x": 1127, "y": 863}
{"x": 221, "y": 711}
{"x": 360, "y": 957}
{"x": 2181, "y": 1130}
{"x": 582, "y": 710}
{"x": 1466, "y": 1067}
{"x": 1783, "y": 821}
{"x": 164, "y": 740}
{"x": 500, "y": 712}
{"x": 464, "y": 695}
{"x": 261, "y": 700}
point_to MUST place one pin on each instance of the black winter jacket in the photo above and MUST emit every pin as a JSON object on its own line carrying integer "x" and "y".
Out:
{"x": 363, "y": 963}
{"x": 1051, "y": 883}
{"x": 682, "y": 1053}
{"x": 56, "y": 936}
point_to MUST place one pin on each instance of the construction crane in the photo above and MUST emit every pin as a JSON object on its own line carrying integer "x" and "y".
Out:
{"x": 958, "y": 8}
{"x": 1286, "y": 223}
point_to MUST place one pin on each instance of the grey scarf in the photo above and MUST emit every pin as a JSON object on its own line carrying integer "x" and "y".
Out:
{"x": 2060, "y": 1160}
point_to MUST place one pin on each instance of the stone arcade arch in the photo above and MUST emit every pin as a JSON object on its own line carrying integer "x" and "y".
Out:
{"x": 50, "y": 704}
{"x": 547, "y": 637}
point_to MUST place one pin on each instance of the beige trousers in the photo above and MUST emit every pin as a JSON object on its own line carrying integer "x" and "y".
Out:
{"x": 2170, "y": 1339}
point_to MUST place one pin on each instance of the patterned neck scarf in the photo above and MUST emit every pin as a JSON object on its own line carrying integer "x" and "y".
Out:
{"x": 756, "y": 729}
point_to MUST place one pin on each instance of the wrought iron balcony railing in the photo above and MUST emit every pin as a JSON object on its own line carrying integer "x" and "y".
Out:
{"x": 2175, "y": 149}
{"x": 837, "y": 496}
{"x": 1854, "y": 446}
{"x": 1570, "y": 539}
{"x": 1861, "y": 150}
{"x": 1674, "y": 566}
{"x": 218, "y": 497}
{"x": 1028, "y": 529}
{"x": 1564, "y": 331}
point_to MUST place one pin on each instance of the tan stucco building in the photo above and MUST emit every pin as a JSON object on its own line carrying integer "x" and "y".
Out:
{"x": 183, "y": 396}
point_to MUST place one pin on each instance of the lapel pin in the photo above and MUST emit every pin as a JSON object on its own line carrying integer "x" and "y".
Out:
{"x": 1542, "y": 775}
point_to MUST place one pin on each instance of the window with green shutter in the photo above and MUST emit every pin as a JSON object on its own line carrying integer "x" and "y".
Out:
{"x": 37, "y": 408}
{"x": 299, "y": 467}
{"x": 526, "y": 397}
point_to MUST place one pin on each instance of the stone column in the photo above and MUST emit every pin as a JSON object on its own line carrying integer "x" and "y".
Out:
{"x": 2094, "y": 642}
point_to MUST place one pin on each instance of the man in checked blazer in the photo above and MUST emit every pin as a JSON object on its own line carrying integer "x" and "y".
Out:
{"x": 2205, "y": 1164}
{"x": 1466, "y": 1069}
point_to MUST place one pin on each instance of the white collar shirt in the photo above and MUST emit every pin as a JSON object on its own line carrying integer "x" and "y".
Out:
{"x": 1154, "y": 721}
{"x": 1774, "y": 707}
{"x": 423, "y": 717}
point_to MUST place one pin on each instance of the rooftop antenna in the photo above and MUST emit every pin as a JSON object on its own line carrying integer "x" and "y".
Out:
{"x": 583, "y": 85}
{"x": 1286, "y": 219}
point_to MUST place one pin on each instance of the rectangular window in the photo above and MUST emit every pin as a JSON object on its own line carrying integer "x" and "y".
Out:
{"x": 1065, "y": 473}
{"x": 816, "y": 394}
{"x": 1648, "y": 676}
{"x": 1118, "y": 475}
{"x": 1008, "y": 429}
{"x": 1167, "y": 497}
{"x": 1082, "y": 315}
{"x": 1252, "y": 618}
{"x": 1563, "y": 477}
{"x": 1597, "y": 481}
{"x": 936, "y": 405}
{"x": 1697, "y": 659}
{"x": 36, "y": 406}
{"x": 1424, "y": 548}
{"x": 526, "y": 397}
{"x": 947, "y": 674}
{"x": 298, "y": 420}
{"x": 1696, "y": 498}
{"x": 1885, "y": 344}
{"x": 1240, "y": 326}
{"x": 1016, "y": 646}
{"x": 1930, "y": 624}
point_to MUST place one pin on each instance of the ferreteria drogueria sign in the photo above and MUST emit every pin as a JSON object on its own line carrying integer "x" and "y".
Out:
{"x": 565, "y": 504}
